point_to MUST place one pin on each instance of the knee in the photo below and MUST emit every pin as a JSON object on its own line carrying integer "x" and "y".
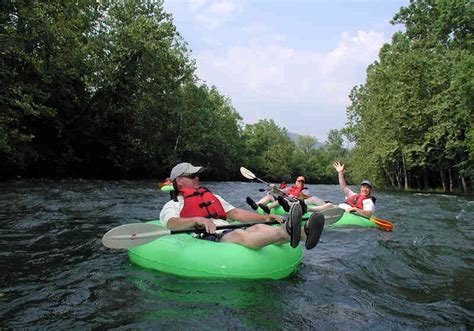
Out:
{"x": 257, "y": 228}
{"x": 235, "y": 236}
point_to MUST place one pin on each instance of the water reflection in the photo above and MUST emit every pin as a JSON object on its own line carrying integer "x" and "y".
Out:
{"x": 246, "y": 304}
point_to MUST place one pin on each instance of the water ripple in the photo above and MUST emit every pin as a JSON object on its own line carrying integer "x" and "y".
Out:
{"x": 56, "y": 274}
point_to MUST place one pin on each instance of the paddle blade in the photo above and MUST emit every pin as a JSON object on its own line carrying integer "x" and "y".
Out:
{"x": 332, "y": 215}
{"x": 382, "y": 224}
{"x": 131, "y": 235}
{"x": 247, "y": 173}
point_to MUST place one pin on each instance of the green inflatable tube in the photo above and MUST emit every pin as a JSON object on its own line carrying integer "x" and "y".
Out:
{"x": 280, "y": 211}
{"x": 347, "y": 220}
{"x": 183, "y": 255}
{"x": 167, "y": 188}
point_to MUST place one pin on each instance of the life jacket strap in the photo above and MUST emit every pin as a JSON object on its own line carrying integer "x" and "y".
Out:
{"x": 206, "y": 203}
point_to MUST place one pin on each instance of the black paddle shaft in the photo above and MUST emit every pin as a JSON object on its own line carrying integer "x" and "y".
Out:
{"x": 223, "y": 227}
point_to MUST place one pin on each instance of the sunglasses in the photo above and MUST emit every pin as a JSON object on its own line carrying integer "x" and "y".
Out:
{"x": 192, "y": 176}
{"x": 300, "y": 181}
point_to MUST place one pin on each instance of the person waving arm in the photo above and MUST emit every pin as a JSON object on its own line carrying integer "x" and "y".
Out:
{"x": 342, "y": 182}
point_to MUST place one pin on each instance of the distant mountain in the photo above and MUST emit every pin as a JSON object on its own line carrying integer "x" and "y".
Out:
{"x": 293, "y": 137}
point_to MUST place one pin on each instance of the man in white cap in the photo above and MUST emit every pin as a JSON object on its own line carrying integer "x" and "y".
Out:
{"x": 362, "y": 203}
{"x": 196, "y": 206}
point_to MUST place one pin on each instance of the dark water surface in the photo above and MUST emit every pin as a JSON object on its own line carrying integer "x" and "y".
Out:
{"x": 55, "y": 274}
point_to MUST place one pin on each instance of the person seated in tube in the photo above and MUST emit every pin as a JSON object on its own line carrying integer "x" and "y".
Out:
{"x": 362, "y": 203}
{"x": 271, "y": 200}
{"x": 196, "y": 206}
{"x": 274, "y": 191}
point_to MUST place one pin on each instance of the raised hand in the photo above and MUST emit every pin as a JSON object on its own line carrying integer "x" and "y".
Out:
{"x": 338, "y": 166}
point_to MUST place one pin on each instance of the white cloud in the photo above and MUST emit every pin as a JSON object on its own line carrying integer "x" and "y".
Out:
{"x": 222, "y": 8}
{"x": 276, "y": 77}
{"x": 212, "y": 14}
{"x": 268, "y": 70}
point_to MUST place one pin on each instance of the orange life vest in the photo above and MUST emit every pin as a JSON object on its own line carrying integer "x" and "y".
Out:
{"x": 201, "y": 202}
{"x": 294, "y": 191}
{"x": 357, "y": 199}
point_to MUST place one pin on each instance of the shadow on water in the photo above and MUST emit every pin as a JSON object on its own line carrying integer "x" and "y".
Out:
{"x": 56, "y": 275}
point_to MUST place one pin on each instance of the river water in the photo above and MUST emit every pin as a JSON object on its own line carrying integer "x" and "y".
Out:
{"x": 55, "y": 273}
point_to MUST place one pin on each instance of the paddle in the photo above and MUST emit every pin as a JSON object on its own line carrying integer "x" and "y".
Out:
{"x": 331, "y": 215}
{"x": 135, "y": 234}
{"x": 382, "y": 224}
{"x": 250, "y": 175}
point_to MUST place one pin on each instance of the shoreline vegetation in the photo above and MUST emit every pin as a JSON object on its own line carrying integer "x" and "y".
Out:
{"x": 109, "y": 91}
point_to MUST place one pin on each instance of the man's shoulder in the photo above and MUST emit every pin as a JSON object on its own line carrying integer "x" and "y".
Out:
{"x": 172, "y": 203}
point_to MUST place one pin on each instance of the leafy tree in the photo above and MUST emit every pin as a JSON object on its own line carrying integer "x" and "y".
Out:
{"x": 206, "y": 131}
{"x": 409, "y": 119}
{"x": 268, "y": 149}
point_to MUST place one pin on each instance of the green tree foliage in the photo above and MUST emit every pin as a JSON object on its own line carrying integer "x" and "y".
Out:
{"x": 40, "y": 79}
{"x": 206, "y": 131}
{"x": 268, "y": 149}
{"x": 305, "y": 159}
{"x": 412, "y": 118}
{"x": 310, "y": 161}
{"x": 105, "y": 89}
{"x": 140, "y": 64}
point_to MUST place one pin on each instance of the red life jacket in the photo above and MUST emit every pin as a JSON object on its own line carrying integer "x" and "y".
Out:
{"x": 201, "y": 202}
{"x": 294, "y": 191}
{"x": 356, "y": 200}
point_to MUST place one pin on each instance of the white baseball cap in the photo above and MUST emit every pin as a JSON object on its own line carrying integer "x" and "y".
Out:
{"x": 184, "y": 168}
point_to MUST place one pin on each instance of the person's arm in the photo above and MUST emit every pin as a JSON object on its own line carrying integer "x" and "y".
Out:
{"x": 368, "y": 208}
{"x": 170, "y": 217}
{"x": 365, "y": 213}
{"x": 190, "y": 222}
{"x": 342, "y": 182}
{"x": 245, "y": 216}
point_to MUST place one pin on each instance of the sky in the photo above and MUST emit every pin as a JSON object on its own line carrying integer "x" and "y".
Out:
{"x": 293, "y": 61}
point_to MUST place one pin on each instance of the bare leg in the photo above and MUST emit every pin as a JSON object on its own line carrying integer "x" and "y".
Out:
{"x": 266, "y": 199}
{"x": 257, "y": 236}
{"x": 273, "y": 205}
{"x": 314, "y": 201}
{"x": 319, "y": 208}
{"x": 277, "y": 203}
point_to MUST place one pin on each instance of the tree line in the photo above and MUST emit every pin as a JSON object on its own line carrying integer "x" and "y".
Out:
{"x": 109, "y": 90}
{"x": 411, "y": 122}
